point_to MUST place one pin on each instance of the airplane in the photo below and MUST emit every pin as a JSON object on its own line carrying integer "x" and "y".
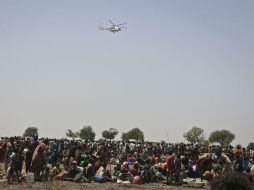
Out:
{"x": 114, "y": 28}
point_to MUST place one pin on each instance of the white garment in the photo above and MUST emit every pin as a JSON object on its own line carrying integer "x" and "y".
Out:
{"x": 252, "y": 170}
{"x": 100, "y": 171}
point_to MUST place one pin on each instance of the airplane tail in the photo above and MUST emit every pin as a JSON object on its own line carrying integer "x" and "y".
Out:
{"x": 101, "y": 28}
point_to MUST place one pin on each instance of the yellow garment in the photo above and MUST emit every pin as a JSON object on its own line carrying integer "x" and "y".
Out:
{"x": 55, "y": 171}
{"x": 208, "y": 174}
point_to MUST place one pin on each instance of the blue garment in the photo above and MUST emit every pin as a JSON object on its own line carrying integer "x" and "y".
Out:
{"x": 54, "y": 156}
{"x": 100, "y": 179}
{"x": 245, "y": 164}
{"x": 35, "y": 137}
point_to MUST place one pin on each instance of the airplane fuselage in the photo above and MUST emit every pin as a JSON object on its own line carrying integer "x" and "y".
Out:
{"x": 114, "y": 29}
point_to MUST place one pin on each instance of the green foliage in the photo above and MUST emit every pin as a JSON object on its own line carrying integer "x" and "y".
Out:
{"x": 109, "y": 134}
{"x": 125, "y": 136}
{"x": 30, "y": 131}
{"x": 224, "y": 137}
{"x": 87, "y": 133}
{"x": 195, "y": 135}
{"x": 72, "y": 134}
{"x": 250, "y": 145}
{"x": 135, "y": 134}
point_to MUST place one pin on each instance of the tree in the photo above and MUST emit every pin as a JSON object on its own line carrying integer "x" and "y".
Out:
{"x": 30, "y": 131}
{"x": 125, "y": 136}
{"x": 135, "y": 134}
{"x": 109, "y": 134}
{"x": 250, "y": 145}
{"x": 224, "y": 137}
{"x": 195, "y": 135}
{"x": 87, "y": 133}
{"x": 72, "y": 134}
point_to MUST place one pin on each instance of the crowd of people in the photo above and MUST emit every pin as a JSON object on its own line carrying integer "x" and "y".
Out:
{"x": 121, "y": 161}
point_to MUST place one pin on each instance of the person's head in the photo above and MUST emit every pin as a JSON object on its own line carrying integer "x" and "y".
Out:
{"x": 11, "y": 140}
{"x": 46, "y": 141}
{"x": 135, "y": 165}
{"x": 74, "y": 163}
{"x": 124, "y": 165}
{"x": 233, "y": 181}
{"x": 104, "y": 165}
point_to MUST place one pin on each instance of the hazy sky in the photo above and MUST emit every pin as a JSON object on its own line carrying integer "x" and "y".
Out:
{"x": 178, "y": 64}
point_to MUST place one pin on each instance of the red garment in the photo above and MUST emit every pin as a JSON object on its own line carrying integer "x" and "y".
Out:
{"x": 170, "y": 164}
{"x": 84, "y": 148}
{"x": 195, "y": 157}
{"x": 249, "y": 176}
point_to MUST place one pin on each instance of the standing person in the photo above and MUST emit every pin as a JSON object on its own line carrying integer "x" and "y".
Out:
{"x": 227, "y": 166}
{"x": 20, "y": 159}
{"x": 170, "y": 167}
{"x": 28, "y": 158}
{"x": 13, "y": 166}
{"x": 178, "y": 164}
{"x": 122, "y": 152}
{"x": 238, "y": 164}
{"x": 245, "y": 163}
{"x": 9, "y": 150}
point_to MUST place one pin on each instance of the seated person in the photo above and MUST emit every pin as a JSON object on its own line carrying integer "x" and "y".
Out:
{"x": 89, "y": 171}
{"x": 56, "y": 172}
{"x": 116, "y": 172}
{"x": 208, "y": 175}
{"x": 102, "y": 175}
{"x": 135, "y": 173}
{"x": 159, "y": 175}
{"x": 73, "y": 171}
{"x": 124, "y": 175}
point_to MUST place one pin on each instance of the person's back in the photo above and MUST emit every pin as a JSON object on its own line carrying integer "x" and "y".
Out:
{"x": 233, "y": 181}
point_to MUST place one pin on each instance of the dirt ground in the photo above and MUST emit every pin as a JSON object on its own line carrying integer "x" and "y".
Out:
{"x": 65, "y": 185}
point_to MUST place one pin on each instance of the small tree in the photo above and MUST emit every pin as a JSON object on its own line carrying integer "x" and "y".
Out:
{"x": 251, "y": 145}
{"x": 30, "y": 131}
{"x": 72, "y": 134}
{"x": 223, "y": 137}
{"x": 87, "y": 133}
{"x": 135, "y": 134}
{"x": 195, "y": 135}
{"x": 109, "y": 134}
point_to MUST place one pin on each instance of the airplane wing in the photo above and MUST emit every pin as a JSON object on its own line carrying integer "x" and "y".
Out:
{"x": 111, "y": 22}
{"x": 121, "y": 24}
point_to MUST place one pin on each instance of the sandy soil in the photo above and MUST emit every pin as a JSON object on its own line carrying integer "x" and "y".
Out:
{"x": 63, "y": 185}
